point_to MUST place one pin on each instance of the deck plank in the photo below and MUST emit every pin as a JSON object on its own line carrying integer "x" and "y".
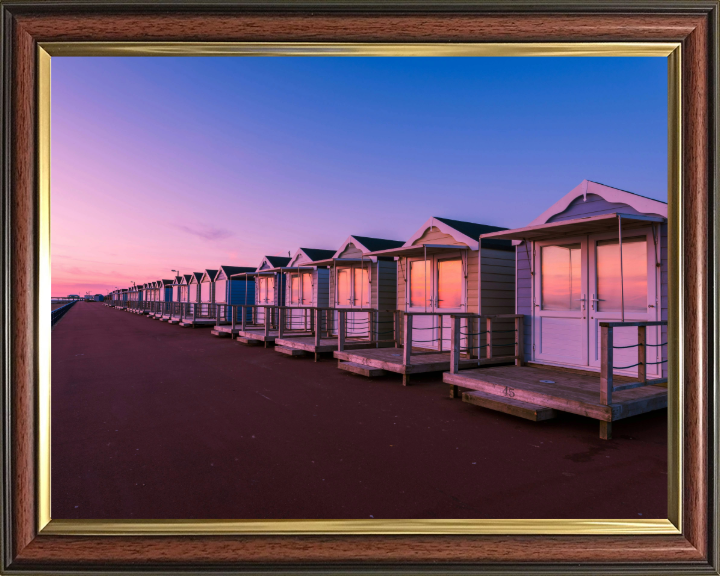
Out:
{"x": 569, "y": 392}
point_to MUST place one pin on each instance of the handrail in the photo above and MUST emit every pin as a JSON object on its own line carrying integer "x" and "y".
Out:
{"x": 58, "y": 313}
{"x": 456, "y": 342}
{"x": 607, "y": 386}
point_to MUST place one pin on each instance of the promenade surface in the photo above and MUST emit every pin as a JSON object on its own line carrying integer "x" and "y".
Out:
{"x": 156, "y": 421}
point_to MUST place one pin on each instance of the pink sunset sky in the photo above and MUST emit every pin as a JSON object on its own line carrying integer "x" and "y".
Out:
{"x": 172, "y": 163}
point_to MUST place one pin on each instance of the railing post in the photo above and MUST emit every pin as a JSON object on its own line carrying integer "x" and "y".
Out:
{"x": 243, "y": 318}
{"x": 342, "y": 317}
{"x": 606, "y": 362}
{"x": 488, "y": 339}
{"x": 606, "y": 375}
{"x": 315, "y": 316}
{"x": 407, "y": 350}
{"x": 396, "y": 328}
{"x": 440, "y": 332}
{"x": 267, "y": 322}
{"x": 194, "y": 311}
{"x": 519, "y": 341}
{"x": 642, "y": 355}
{"x": 454, "y": 344}
{"x": 281, "y": 321}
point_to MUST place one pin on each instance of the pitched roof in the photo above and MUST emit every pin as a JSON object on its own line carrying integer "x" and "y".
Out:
{"x": 475, "y": 230}
{"x": 211, "y": 274}
{"x": 373, "y": 244}
{"x": 230, "y": 270}
{"x": 469, "y": 228}
{"x": 278, "y": 261}
{"x": 198, "y": 276}
{"x": 317, "y": 253}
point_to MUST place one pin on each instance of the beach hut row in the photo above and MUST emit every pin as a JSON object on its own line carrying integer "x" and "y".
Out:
{"x": 568, "y": 313}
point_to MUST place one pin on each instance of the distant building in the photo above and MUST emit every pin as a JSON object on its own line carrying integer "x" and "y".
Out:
{"x": 74, "y": 297}
{"x": 99, "y": 298}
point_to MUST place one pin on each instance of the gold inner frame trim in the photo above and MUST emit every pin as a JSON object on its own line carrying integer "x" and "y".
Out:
{"x": 671, "y": 525}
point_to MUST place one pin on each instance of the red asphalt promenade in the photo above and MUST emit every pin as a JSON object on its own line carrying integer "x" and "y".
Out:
{"x": 156, "y": 421}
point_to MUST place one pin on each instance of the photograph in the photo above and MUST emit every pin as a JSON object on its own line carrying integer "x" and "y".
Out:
{"x": 359, "y": 288}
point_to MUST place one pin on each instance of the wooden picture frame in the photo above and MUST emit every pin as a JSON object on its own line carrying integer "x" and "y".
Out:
{"x": 29, "y": 546}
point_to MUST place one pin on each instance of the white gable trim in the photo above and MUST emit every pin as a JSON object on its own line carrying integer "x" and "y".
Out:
{"x": 641, "y": 204}
{"x": 352, "y": 240}
{"x": 472, "y": 243}
{"x": 264, "y": 265}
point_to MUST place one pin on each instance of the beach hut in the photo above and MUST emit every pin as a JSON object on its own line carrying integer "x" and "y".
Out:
{"x": 442, "y": 271}
{"x": 592, "y": 291}
{"x": 231, "y": 290}
{"x": 196, "y": 312}
{"x": 355, "y": 282}
{"x": 180, "y": 308}
{"x": 260, "y": 323}
{"x": 207, "y": 287}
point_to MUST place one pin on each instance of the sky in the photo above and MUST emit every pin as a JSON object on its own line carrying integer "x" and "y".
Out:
{"x": 192, "y": 163}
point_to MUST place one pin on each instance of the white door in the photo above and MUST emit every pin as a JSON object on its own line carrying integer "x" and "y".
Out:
{"x": 353, "y": 291}
{"x": 560, "y": 302}
{"x": 265, "y": 295}
{"x": 435, "y": 285}
{"x": 577, "y": 286}
{"x": 300, "y": 293}
{"x": 639, "y": 295}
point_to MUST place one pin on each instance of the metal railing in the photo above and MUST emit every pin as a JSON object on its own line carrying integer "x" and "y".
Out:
{"x": 60, "y": 312}
{"x": 495, "y": 328}
{"x": 607, "y": 349}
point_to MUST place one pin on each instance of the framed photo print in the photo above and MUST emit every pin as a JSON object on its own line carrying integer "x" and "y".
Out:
{"x": 359, "y": 287}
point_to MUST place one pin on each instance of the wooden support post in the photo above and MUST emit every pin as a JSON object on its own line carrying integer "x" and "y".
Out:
{"x": 406, "y": 379}
{"x": 440, "y": 332}
{"x": 370, "y": 325}
{"x": 396, "y": 328}
{"x": 488, "y": 339}
{"x": 606, "y": 363}
{"x": 281, "y": 321}
{"x": 233, "y": 319}
{"x": 342, "y": 317}
{"x": 454, "y": 391}
{"x": 267, "y": 323}
{"x": 316, "y": 316}
{"x": 605, "y": 430}
{"x": 407, "y": 350}
{"x": 454, "y": 346}
{"x": 642, "y": 355}
{"x": 520, "y": 341}
{"x": 243, "y": 318}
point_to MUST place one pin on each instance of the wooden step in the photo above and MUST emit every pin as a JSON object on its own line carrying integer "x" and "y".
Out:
{"x": 248, "y": 341}
{"x": 220, "y": 334}
{"x": 361, "y": 369}
{"x": 509, "y": 406}
{"x": 290, "y": 351}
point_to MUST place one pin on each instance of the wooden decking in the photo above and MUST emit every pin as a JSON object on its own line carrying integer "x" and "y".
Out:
{"x": 198, "y": 322}
{"x": 575, "y": 392}
{"x": 307, "y": 343}
{"x": 257, "y": 334}
{"x": 391, "y": 359}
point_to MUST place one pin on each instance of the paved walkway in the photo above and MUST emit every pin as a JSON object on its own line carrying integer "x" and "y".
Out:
{"x": 156, "y": 421}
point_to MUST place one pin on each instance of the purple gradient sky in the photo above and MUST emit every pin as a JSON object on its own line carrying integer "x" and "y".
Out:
{"x": 161, "y": 163}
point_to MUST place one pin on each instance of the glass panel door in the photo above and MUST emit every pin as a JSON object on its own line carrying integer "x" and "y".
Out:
{"x": 560, "y": 303}
{"x": 637, "y": 292}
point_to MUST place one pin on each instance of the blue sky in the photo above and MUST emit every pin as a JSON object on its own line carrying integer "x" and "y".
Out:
{"x": 160, "y": 163}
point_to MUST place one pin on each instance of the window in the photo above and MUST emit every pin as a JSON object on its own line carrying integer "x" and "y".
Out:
{"x": 361, "y": 288}
{"x": 634, "y": 293}
{"x": 560, "y": 278}
{"x": 307, "y": 291}
{"x": 420, "y": 280}
{"x": 343, "y": 278}
{"x": 449, "y": 289}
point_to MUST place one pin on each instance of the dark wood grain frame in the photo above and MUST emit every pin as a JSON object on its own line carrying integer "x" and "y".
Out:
{"x": 694, "y": 24}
